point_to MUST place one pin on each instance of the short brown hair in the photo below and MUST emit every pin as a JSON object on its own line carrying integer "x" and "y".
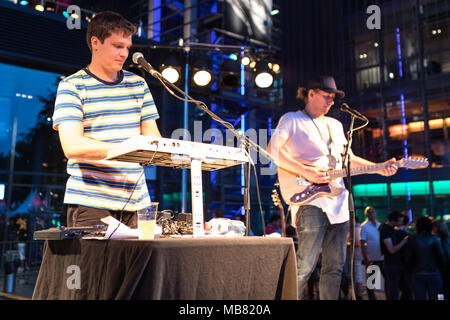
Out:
{"x": 105, "y": 23}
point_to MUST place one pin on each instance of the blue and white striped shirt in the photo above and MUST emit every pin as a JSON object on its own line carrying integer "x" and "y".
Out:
{"x": 110, "y": 112}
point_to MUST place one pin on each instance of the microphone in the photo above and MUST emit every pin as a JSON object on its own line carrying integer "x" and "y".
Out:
{"x": 346, "y": 108}
{"x": 138, "y": 58}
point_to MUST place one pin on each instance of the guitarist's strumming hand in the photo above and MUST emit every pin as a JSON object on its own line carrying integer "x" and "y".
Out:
{"x": 390, "y": 168}
{"x": 315, "y": 174}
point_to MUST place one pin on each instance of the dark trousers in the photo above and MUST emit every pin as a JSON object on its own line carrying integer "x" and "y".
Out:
{"x": 393, "y": 280}
{"x": 82, "y": 216}
{"x": 427, "y": 284}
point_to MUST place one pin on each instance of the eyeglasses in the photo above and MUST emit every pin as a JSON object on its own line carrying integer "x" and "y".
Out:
{"x": 327, "y": 96}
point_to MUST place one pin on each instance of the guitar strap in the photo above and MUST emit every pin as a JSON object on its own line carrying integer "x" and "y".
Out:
{"x": 332, "y": 162}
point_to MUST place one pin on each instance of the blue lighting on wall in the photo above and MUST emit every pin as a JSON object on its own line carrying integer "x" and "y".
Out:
{"x": 156, "y": 27}
{"x": 399, "y": 53}
{"x": 402, "y": 104}
{"x": 242, "y": 76}
{"x": 242, "y": 166}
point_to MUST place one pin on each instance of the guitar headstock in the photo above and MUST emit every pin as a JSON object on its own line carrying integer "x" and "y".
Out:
{"x": 413, "y": 162}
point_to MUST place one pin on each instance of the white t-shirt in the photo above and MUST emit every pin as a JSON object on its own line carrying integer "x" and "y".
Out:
{"x": 305, "y": 144}
{"x": 371, "y": 234}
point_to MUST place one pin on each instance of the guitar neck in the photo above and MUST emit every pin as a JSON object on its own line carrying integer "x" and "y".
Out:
{"x": 341, "y": 173}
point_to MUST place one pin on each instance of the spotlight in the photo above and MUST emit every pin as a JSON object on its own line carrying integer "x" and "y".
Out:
{"x": 252, "y": 64}
{"x": 276, "y": 68}
{"x": 230, "y": 75}
{"x": 202, "y": 77}
{"x": 171, "y": 69}
{"x": 230, "y": 80}
{"x": 50, "y": 6}
{"x": 39, "y": 7}
{"x": 233, "y": 56}
{"x": 245, "y": 61}
{"x": 263, "y": 80}
{"x": 171, "y": 74}
{"x": 23, "y": 2}
{"x": 65, "y": 14}
{"x": 264, "y": 77}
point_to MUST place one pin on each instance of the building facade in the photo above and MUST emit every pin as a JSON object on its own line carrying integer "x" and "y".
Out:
{"x": 392, "y": 60}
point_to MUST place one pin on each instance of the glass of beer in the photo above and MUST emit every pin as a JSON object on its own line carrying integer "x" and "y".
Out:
{"x": 147, "y": 221}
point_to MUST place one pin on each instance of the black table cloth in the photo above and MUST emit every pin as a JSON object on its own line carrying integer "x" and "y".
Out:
{"x": 244, "y": 268}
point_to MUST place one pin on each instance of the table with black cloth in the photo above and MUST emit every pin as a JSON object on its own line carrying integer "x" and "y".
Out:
{"x": 244, "y": 268}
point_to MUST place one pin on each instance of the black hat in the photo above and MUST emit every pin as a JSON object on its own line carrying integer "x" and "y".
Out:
{"x": 327, "y": 84}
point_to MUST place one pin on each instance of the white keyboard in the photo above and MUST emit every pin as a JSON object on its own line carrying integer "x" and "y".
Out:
{"x": 175, "y": 153}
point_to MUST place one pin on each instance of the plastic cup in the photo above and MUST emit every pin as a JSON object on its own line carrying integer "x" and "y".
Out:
{"x": 147, "y": 221}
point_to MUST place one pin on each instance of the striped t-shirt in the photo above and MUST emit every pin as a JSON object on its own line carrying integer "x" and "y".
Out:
{"x": 110, "y": 112}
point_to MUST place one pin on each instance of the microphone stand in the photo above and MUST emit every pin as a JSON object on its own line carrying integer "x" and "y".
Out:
{"x": 351, "y": 204}
{"x": 245, "y": 142}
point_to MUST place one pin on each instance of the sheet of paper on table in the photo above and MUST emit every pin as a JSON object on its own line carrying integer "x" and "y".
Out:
{"x": 117, "y": 230}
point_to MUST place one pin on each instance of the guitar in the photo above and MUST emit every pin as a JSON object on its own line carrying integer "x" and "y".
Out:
{"x": 296, "y": 190}
{"x": 276, "y": 201}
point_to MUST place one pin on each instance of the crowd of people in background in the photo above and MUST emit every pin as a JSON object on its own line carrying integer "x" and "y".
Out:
{"x": 16, "y": 233}
{"x": 414, "y": 266}
{"x": 414, "y": 263}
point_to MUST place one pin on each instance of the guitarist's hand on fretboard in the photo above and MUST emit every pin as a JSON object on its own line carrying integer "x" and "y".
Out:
{"x": 390, "y": 169}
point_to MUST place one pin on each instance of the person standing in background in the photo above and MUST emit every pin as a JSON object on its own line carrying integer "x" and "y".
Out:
{"x": 391, "y": 245}
{"x": 370, "y": 244}
{"x": 425, "y": 258}
{"x": 440, "y": 229}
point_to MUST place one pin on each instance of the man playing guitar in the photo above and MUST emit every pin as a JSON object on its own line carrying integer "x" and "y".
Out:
{"x": 308, "y": 143}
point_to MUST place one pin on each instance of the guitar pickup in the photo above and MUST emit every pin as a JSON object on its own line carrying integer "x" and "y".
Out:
{"x": 302, "y": 182}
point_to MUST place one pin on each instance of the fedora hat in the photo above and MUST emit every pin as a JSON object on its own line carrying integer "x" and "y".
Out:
{"x": 327, "y": 84}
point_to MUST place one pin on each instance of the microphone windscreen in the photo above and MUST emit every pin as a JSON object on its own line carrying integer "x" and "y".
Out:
{"x": 136, "y": 57}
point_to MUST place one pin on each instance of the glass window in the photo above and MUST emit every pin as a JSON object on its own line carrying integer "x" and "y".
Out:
{"x": 27, "y": 99}
{"x": 366, "y": 54}
{"x": 367, "y": 78}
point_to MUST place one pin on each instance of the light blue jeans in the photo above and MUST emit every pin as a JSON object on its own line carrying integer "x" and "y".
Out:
{"x": 314, "y": 233}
